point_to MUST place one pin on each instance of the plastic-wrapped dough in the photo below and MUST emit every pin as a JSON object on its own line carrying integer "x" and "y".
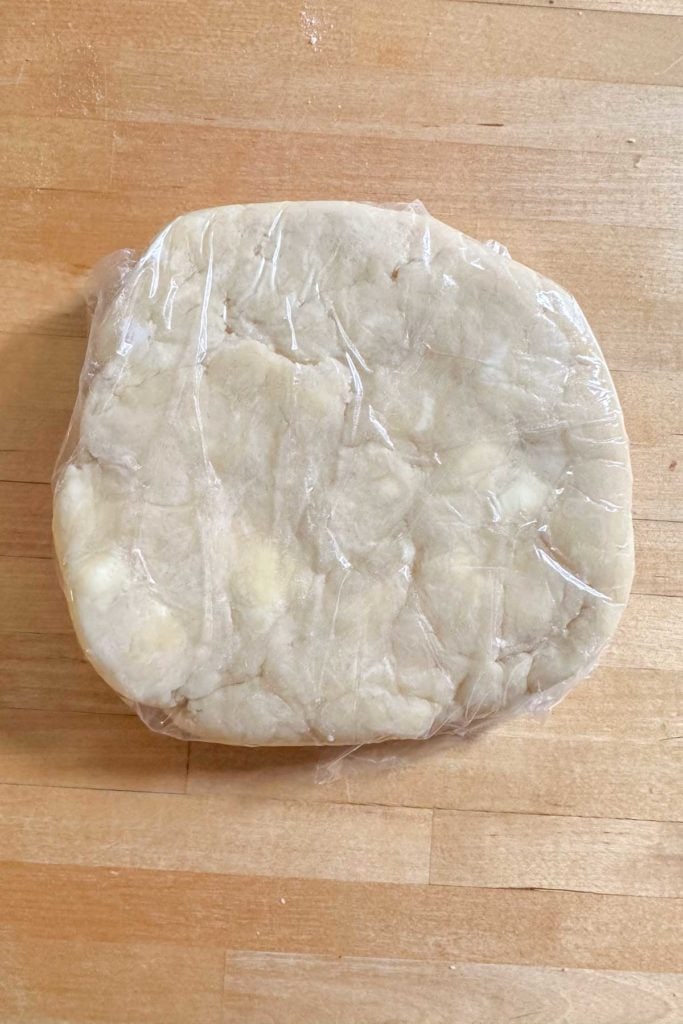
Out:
{"x": 337, "y": 474}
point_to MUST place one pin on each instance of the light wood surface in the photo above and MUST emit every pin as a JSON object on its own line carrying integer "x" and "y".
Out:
{"x": 534, "y": 873}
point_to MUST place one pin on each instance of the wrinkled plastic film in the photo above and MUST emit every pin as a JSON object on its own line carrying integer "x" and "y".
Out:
{"x": 338, "y": 474}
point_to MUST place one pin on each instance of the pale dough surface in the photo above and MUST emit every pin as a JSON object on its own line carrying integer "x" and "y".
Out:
{"x": 340, "y": 473}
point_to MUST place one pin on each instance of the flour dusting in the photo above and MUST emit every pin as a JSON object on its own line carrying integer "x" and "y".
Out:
{"x": 311, "y": 25}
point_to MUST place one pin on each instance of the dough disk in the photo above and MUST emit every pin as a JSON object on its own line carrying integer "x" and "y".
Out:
{"x": 339, "y": 473}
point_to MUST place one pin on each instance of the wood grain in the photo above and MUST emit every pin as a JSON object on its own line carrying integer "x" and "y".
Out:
{"x": 521, "y": 768}
{"x": 140, "y": 982}
{"x": 659, "y": 558}
{"x": 30, "y": 598}
{"x": 607, "y": 190}
{"x": 87, "y": 750}
{"x": 616, "y": 6}
{"x": 25, "y": 516}
{"x": 215, "y": 835}
{"x": 103, "y": 46}
{"x": 322, "y": 917}
{"x": 143, "y": 981}
{"x": 48, "y": 672}
{"x": 262, "y": 987}
{"x": 542, "y": 851}
{"x": 533, "y": 872}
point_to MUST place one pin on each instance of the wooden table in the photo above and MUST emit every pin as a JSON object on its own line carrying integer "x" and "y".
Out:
{"x": 528, "y": 875}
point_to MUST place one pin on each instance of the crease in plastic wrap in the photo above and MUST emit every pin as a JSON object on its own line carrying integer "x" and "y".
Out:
{"x": 339, "y": 474}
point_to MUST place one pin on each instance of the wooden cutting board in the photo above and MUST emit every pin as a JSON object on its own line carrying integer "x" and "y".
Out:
{"x": 531, "y": 874}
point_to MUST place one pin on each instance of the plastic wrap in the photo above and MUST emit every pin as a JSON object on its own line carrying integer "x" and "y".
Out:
{"x": 339, "y": 474}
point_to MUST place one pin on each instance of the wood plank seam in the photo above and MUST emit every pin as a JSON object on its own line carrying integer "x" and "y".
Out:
{"x": 372, "y": 132}
{"x": 433, "y": 808}
{"x": 123, "y": 713}
{"x": 109, "y": 788}
{"x": 187, "y": 767}
{"x": 552, "y": 928}
{"x": 644, "y": 519}
{"x": 224, "y": 992}
{"x": 378, "y": 135}
{"x": 557, "y": 889}
{"x": 557, "y": 5}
